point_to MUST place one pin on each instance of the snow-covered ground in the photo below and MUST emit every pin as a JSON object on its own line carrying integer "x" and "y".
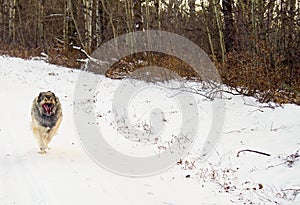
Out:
{"x": 67, "y": 175}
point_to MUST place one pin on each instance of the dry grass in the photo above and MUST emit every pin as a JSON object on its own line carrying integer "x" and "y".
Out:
{"x": 134, "y": 62}
{"x": 55, "y": 55}
{"x": 246, "y": 73}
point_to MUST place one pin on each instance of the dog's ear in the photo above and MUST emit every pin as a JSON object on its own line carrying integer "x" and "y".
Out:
{"x": 39, "y": 99}
{"x": 52, "y": 94}
{"x": 56, "y": 99}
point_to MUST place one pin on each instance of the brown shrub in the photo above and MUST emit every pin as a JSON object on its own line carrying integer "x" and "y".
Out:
{"x": 255, "y": 75}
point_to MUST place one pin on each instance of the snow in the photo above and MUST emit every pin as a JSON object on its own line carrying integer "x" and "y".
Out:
{"x": 68, "y": 175}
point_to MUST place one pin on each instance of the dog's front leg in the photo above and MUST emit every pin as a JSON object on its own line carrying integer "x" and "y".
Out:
{"x": 42, "y": 146}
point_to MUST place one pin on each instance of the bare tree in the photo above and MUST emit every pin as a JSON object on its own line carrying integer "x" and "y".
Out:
{"x": 157, "y": 13}
{"x": 88, "y": 20}
{"x": 192, "y": 7}
{"x": 11, "y": 22}
{"x": 99, "y": 23}
{"x": 41, "y": 25}
{"x": 216, "y": 7}
{"x": 229, "y": 29}
{"x": 137, "y": 12}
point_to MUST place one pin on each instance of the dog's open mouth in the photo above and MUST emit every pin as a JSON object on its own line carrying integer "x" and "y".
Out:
{"x": 48, "y": 108}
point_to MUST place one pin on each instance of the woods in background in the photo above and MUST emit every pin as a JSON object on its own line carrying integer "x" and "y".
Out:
{"x": 241, "y": 36}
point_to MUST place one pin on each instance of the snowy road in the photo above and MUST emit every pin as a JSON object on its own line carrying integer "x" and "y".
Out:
{"x": 66, "y": 175}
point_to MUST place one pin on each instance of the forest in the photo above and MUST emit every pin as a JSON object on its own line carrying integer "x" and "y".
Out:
{"x": 255, "y": 44}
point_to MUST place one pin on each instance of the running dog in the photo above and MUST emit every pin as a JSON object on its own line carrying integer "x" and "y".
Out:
{"x": 46, "y": 114}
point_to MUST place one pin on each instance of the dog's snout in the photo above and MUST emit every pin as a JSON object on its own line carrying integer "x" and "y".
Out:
{"x": 48, "y": 100}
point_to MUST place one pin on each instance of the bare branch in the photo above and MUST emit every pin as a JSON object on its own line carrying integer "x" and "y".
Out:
{"x": 249, "y": 150}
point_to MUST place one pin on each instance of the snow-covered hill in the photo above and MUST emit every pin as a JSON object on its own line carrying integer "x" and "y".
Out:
{"x": 67, "y": 175}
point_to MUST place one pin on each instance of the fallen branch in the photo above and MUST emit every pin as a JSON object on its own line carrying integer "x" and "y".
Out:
{"x": 97, "y": 61}
{"x": 249, "y": 150}
{"x": 291, "y": 193}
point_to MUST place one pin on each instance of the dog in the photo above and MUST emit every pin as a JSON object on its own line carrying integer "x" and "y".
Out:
{"x": 46, "y": 115}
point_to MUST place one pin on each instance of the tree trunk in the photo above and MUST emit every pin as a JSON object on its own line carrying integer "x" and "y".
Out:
{"x": 229, "y": 29}
{"x": 99, "y": 24}
{"x": 211, "y": 45}
{"x": 88, "y": 20}
{"x": 192, "y": 5}
{"x": 253, "y": 15}
{"x": 220, "y": 29}
{"x": 157, "y": 13}
{"x": 137, "y": 13}
{"x": 66, "y": 24}
{"x": 11, "y": 23}
{"x": 41, "y": 26}
{"x": 4, "y": 19}
{"x": 73, "y": 14}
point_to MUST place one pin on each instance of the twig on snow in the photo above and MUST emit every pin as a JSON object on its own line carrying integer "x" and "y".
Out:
{"x": 292, "y": 158}
{"x": 249, "y": 150}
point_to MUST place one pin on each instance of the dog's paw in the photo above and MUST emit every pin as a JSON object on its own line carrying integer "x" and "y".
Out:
{"x": 42, "y": 151}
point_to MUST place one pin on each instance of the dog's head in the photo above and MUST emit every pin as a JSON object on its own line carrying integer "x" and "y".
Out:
{"x": 47, "y": 102}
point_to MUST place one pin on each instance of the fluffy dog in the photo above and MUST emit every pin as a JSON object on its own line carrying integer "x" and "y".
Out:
{"x": 46, "y": 114}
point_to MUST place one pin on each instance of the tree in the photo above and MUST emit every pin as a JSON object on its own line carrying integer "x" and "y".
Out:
{"x": 229, "y": 29}
{"x": 12, "y": 17}
{"x": 88, "y": 21}
{"x": 137, "y": 15}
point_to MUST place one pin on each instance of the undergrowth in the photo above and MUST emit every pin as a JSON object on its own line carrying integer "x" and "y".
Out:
{"x": 248, "y": 74}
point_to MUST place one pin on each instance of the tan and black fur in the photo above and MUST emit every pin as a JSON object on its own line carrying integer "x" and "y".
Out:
{"x": 46, "y": 114}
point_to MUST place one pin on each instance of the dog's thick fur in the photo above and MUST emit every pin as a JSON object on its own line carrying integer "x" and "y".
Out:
{"x": 46, "y": 114}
